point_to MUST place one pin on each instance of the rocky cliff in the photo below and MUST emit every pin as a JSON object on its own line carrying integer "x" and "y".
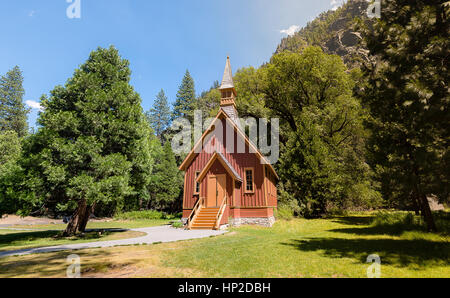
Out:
{"x": 334, "y": 31}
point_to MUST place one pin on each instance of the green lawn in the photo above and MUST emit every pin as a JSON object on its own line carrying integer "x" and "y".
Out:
{"x": 113, "y": 224}
{"x": 48, "y": 236}
{"x": 316, "y": 248}
{"x": 336, "y": 247}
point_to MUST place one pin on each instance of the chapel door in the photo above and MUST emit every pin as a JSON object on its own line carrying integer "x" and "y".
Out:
{"x": 217, "y": 185}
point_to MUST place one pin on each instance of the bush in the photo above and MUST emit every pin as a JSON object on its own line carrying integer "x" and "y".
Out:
{"x": 399, "y": 218}
{"x": 139, "y": 215}
{"x": 399, "y": 221}
{"x": 177, "y": 224}
{"x": 284, "y": 212}
{"x": 442, "y": 219}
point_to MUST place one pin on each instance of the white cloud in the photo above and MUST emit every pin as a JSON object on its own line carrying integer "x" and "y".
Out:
{"x": 34, "y": 105}
{"x": 291, "y": 30}
{"x": 336, "y": 3}
{"x": 32, "y": 13}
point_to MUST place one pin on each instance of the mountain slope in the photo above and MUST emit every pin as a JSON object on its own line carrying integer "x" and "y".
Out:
{"x": 333, "y": 32}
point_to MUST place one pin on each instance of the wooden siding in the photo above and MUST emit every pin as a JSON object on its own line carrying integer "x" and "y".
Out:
{"x": 236, "y": 196}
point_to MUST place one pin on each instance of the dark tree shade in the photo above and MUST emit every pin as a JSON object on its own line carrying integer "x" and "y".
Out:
{"x": 409, "y": 98}
{"x": 166, "y": 181}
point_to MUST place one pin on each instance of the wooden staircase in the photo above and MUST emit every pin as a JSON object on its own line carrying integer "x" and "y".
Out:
{"x": 203, "y": 218}
{"x": 206, "y": 219}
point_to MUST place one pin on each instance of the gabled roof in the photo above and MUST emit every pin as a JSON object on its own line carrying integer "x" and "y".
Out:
{"x": 190, "y": 157}
{"x": 227, "y": 80}
{"x": 225, "y": 163}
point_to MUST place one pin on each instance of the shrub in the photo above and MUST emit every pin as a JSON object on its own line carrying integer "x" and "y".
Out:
{"x": 399, "y": 218}
{"x": 146, "y": 214}
{"x": 177, "y": 224}
{"x": 284, "y": 212}
{"x": 136, "y": 215}
{"x": 399, "y": 221}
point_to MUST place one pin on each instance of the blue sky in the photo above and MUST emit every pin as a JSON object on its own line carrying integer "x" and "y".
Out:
{"x": 161, "y": 39}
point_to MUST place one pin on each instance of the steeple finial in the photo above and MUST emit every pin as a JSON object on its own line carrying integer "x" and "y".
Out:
{"x": 227, "y": 80}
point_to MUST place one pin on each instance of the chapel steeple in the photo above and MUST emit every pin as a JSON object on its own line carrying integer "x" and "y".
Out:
{"x": 228, "y": 93}
{"x": 227, "y": 87}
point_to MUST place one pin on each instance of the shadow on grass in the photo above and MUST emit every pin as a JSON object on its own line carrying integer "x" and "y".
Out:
{"x": 400, "y": 253}
{"x": 354, "y": 220}
{"x": 50, "y": 264}
{"x": 392, "y": 230}
{"x": 7, "y": 239}
{"x": 394, "y": 223}
{"x": 21, "y": 238}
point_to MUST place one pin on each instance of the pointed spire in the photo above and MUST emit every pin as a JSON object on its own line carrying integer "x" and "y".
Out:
{"x": 227, "y": 80}
{"x": 228, "y": 93}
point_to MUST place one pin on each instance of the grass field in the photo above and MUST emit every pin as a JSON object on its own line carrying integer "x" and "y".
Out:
{"x": 336, "y": 247}
{"x": 49, "y": 234}
{"x": 113, "y": 224}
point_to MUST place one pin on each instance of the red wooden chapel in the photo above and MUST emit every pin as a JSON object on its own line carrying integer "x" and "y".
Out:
{"x": 227, "y": 179}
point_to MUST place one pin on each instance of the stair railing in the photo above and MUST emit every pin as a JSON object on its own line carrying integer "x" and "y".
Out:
{"x": 198, "y": 206}
{"x": 220, "y": 213}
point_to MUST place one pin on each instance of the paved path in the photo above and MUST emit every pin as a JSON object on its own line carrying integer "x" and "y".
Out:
{"x": 154, "y": 235}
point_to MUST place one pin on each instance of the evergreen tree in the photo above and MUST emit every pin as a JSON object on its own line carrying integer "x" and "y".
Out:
{"x": 94, "y": 143}
{"x": 408, "y": 95}
{"x": 13, "y": 113}
{"x": 209, "y": 101}
{"x": 185, "y": 104}
{"x": 159, "y": 115}
{"x": 10, "y": 150}
{"x": 166, "y": 181}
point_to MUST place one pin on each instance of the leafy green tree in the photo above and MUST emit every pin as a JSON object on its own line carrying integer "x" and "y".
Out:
{"x": 13, "y": 113}
{"x": 93, "y": 145}
{"x": 322, "y": 164}
{"x": 10, "y": 150}
{"x": 167, "y": 181}
{"x": 159, "y": 115}
{"x": 209, "y": 101}
{"x": 185, "y": 103}
{"x": 250, "y": 85}
{"x": 408, "y": 95}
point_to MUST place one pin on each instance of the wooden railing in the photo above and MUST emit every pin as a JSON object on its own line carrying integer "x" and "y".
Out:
{"x": 220, "y": 213}
{"x": 194, "y": 213}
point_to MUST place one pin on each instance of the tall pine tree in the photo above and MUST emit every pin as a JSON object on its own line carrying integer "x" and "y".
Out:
{"x": 166, "y": 181}
{"x": 409, "y": 98}
{"x": 159, "y": 115}
{"x": 185, "y": 104}
{"x": 13, "y": 113}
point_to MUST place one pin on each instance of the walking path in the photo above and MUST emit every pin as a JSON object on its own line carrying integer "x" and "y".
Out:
{"x": 154, "y": 235}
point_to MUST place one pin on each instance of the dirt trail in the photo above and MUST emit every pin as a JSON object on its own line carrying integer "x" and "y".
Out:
{"x": 11, "y": 220}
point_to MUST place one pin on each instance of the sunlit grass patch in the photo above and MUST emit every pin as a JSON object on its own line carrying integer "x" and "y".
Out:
{"x": 333, "y": 247}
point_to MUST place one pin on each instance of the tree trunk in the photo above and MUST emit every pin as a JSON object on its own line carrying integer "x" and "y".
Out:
{"x": 416, "y": 204}
{"x": 426, "y": 213}
{"x": 84, "y": 221}
{"x": 79, "y": 219}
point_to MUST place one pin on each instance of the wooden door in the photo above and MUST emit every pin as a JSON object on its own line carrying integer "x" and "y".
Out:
{"x": 221, "y": 188}
{"x": 217, "y": 185}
